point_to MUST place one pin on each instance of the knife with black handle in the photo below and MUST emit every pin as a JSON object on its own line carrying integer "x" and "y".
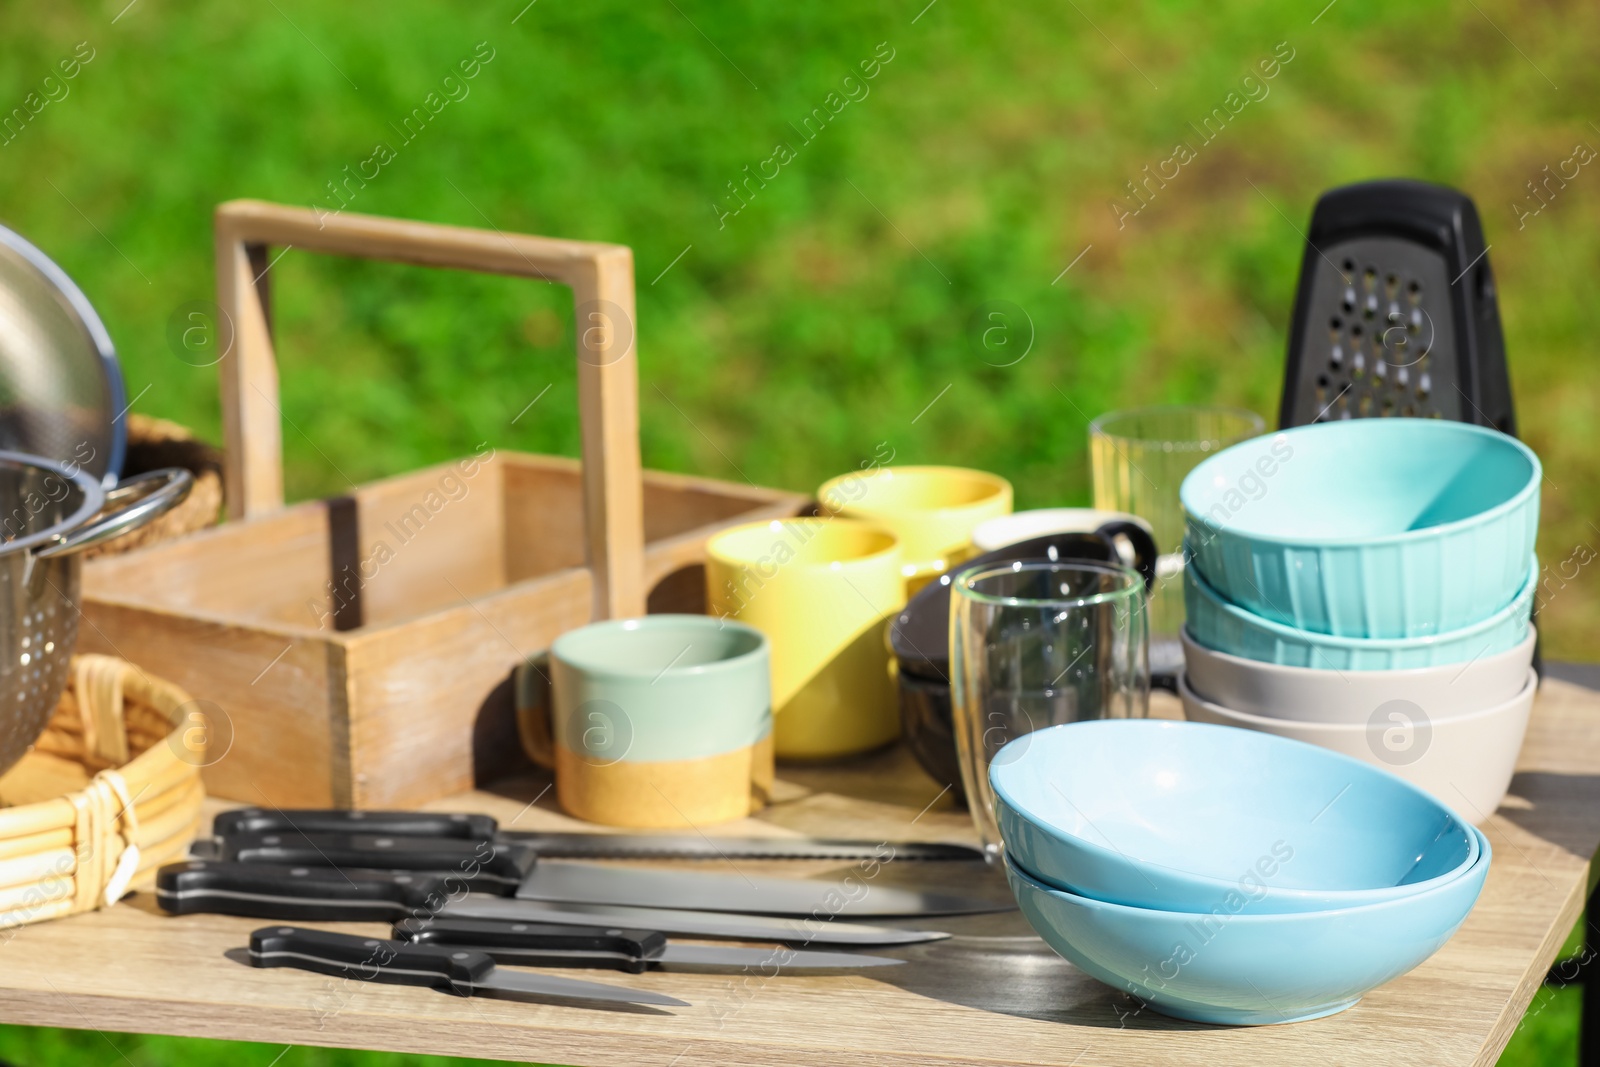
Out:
{"x": 482, "y": 864}
{"x": 563, "y": 845}
{"x": 532, "y": 944}
{"x": 562, "y": 882}
{"x": 453, "y": 970}
{"x": 322, "y": 894}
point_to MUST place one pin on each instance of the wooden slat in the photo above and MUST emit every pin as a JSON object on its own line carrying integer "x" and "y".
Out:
{"x": 993, "y": 995}
{"x": 272, "y": 688}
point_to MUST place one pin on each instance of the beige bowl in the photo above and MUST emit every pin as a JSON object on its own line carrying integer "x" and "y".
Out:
{"x": 1307, "y": 694}
{"x": 1465, "y": 761}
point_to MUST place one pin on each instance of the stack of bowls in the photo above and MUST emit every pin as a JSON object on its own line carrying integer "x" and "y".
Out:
{"x": 1367, "y": 585}
{"x": 1227, "y": 876}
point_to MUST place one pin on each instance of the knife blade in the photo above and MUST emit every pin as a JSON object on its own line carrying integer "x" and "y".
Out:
{"x": 453, "y": 970}
{"x": 560, "y": 881}
{"x": 531, "y": 944}
{"x": 566, "y": 845}
{"x": 322, "y": 894}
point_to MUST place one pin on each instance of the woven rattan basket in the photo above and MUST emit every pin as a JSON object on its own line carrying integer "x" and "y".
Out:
{"x": 110, "y": 789}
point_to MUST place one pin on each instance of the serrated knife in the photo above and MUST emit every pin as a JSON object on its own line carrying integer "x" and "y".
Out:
{"x": 566, "y": 845}
{"x": 485, "y": 865}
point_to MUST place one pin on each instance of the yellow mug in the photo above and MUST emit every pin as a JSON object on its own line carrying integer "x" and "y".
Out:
{"x": 823, "y": 591}
{"x": 932, "y": 510}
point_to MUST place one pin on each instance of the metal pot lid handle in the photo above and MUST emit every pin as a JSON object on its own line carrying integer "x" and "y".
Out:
{"x": 154, "y": 494}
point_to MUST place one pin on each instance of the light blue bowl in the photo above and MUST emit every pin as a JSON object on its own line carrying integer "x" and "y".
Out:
{"x": 1242, "y": 969}
{"x": 1224, "y": 627}
{"x": 1190, "y": 817}
{"x": 1367, "y": 527}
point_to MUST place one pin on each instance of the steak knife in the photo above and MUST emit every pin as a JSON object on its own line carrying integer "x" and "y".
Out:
{"x": 322, "y": 894}
{"x": 527, "y": 944}
{"x": 562, "y": 845}
{"x": 460, "y": 971}
{"x": 563, "y": 882}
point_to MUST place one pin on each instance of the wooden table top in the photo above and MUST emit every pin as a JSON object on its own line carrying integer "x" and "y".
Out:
{"x": 993, "y": 994}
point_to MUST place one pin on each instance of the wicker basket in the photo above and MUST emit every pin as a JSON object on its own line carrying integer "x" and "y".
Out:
{"x": 152, "y": 445}
{"x": 111, "y": 789}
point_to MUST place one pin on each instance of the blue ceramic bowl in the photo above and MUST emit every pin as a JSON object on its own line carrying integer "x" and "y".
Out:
{"x": 1242, "y": 969}
{"x": 1191, "y": 817}
{"x": 1224, "y": 627}
{"x": 1367, "y": 527}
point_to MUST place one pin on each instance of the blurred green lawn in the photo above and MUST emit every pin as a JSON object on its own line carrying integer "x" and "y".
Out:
{"x": 846, "y": 302}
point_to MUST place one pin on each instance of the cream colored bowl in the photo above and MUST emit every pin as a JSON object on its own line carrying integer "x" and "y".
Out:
{"x": 1465, "y": 761}
{"x": 1307, "y": 694}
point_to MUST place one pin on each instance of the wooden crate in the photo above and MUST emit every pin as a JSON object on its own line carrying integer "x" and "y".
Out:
{"x": 360, "y": 648}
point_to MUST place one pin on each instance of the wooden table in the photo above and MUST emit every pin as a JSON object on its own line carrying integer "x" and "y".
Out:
{"x": 991, "y": 995}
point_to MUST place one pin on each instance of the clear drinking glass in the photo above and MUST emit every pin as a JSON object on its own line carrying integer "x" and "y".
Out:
{"x": 1139, "y": 459}
{"x": 1036, "y": 644}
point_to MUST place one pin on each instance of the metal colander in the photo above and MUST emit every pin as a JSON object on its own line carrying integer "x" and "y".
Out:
{"x": 48, "y": 513}
{"x": 61, "y": 392}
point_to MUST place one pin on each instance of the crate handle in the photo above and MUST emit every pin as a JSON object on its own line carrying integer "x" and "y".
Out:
{"x": 601, "y": 279}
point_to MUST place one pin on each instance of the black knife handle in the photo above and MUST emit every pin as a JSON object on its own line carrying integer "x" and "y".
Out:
{"x": 329, "y": 821}
{"x": 308, "y": 894}
{"x": 487, "y": 866}
{"x": 368, "y": 959}
{"x": 522, "y": 943}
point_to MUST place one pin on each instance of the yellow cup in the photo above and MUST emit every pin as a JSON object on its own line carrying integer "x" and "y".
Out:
{"x": 932, "y": 510}
{"x": 823, "y": 591}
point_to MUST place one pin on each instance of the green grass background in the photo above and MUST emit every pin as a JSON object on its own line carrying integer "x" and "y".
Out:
{"x": 845, "y": 305}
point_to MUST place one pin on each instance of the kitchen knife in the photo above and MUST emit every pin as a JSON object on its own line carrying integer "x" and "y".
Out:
{"x": 527, "y": 944}
{"x": 562, "y": 882}
{"x": 482, "y": 865}
{"x": 322, "y": 894}
{"x": 560, "y": 845}
{"x": 454, "y": 970}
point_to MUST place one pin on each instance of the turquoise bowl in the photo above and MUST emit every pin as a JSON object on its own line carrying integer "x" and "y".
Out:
{"x": 1243, "y": 969}
{"x": 1191, "y": 817}
{"x": 1367, "y": 527}
{"x": 1224, "y": 627}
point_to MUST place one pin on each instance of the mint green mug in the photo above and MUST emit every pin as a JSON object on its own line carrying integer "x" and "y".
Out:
{"x": 660, "y": 721}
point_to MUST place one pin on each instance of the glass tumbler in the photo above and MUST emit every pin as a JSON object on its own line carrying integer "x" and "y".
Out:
{"x": 1036, "y": 644}
{"x": 1139, "y": 459}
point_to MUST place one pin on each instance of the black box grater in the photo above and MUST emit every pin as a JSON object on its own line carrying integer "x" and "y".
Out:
{"x": 1396, "y": 311}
